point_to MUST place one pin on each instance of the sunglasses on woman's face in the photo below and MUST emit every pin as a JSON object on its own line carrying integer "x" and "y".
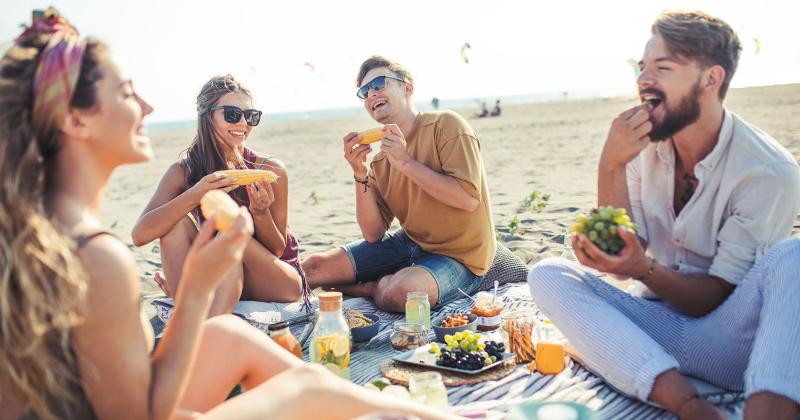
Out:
{"x": 375, "y": 84}
{"x": 233, "y": 114}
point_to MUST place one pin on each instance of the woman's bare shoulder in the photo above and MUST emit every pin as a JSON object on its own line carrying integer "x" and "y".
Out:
{"x": 109, "y": 265}
{"x": 271, "y": 163}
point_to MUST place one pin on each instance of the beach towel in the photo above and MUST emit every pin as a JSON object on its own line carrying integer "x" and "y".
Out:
{"x": 575, "y": 383}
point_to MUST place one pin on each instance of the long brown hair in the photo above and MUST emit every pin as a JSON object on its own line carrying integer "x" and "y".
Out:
{"x": 207, "y": 154}
{"x": 42, "y": 285}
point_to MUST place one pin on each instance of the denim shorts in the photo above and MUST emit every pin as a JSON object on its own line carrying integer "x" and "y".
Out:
{"x": 396, "y": 251}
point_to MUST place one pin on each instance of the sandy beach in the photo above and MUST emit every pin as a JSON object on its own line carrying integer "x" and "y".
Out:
{"x": 549, "y": 147}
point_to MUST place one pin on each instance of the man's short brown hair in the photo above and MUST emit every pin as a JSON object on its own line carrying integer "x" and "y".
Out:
{"x": 377, "y": 61}
{"x": 707, "y": 39}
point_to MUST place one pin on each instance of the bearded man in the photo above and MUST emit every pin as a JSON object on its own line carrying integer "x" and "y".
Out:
{"x": 714, "y": 200}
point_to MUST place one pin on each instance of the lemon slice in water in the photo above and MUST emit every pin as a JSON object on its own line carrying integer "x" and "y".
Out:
{"x": 340, "y": 346}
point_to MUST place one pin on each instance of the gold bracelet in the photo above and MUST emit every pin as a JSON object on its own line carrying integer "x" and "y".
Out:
{"x": 649, "y": 272}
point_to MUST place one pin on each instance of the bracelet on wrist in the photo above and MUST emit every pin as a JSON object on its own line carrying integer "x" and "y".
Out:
{"x": 364, "y": 182}
{"x": 649, "y": 272}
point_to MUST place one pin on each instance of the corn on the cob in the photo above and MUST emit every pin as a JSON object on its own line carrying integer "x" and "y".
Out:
{"x": 370, "y": 136}
{"x": 249, "y": 176}
{"x": 221, "y": 207}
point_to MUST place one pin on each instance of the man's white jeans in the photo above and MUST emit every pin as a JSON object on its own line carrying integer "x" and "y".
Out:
{"x": 750, "y": 343}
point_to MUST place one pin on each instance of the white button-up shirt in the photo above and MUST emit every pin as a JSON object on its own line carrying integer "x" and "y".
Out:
{"x": 747, "y": 199}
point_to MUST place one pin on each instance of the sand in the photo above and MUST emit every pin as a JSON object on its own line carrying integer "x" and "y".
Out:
{"x": 549, "y": 147}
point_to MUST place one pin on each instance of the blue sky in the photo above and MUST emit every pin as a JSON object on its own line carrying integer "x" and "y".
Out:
{"x": 171, "y": 48}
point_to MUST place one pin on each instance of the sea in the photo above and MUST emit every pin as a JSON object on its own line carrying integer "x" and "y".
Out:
{"x": 462, "y": 103}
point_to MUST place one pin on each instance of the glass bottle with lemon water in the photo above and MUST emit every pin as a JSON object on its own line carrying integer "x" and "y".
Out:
{"x": 330, "y": 340}
{"x": 428, "y": 388}
{"x": 418, "y": 308}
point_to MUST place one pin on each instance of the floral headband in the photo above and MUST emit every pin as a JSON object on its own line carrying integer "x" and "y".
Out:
{"x": 59, "y": 67}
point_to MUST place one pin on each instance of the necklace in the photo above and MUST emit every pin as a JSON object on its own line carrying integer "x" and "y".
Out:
{"x": 691, "y": 186}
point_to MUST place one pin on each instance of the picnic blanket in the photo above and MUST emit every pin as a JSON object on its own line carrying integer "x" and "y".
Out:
{"x": 575, "y": 383}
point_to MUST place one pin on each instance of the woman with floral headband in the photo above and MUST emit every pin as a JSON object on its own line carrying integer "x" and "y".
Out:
{"x": 73, "y": 344}
{"x": 270, "y": 271}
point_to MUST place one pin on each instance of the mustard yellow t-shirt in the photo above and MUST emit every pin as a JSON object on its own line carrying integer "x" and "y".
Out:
{"x": 444, "y": 142}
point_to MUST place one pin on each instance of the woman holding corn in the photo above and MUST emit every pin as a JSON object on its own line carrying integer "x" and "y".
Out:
{"x": 270, "y": 271}
{"x": 73, "y": 345}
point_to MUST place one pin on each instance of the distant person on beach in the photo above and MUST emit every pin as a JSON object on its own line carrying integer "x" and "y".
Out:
{"x": 714, "y": 200}
{"x": 435, "y": 103}
{"x": 271, "y": 271}
{"x": 484, "y": 112}
{"x": 496, "y": 110}
{"x": 73, "y": 343}
{"x": 430, "y": 176}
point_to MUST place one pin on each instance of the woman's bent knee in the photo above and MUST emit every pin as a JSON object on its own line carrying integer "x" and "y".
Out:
{"x": 180, "y": 234}
{"x": 228, "y": 326}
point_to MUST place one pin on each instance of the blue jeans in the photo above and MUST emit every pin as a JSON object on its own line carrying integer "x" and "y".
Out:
{"x": 396, "y": 251}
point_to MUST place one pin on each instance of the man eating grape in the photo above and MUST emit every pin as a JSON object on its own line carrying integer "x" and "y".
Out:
{"x": 714, "y": 200}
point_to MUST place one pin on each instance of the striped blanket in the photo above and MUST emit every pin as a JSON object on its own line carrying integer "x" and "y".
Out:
{"x": 575, "y": 383}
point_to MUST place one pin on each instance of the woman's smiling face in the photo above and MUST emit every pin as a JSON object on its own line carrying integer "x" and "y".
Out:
{"x": 234, "y": 134}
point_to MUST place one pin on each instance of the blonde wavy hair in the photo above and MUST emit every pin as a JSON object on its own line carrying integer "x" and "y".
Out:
{"x": 42, "y": 282}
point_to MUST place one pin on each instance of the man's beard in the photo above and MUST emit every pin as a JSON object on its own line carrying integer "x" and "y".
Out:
{"x": 687, "y": 112}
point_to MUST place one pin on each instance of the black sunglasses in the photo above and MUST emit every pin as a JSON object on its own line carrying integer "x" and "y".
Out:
{"x": 375, "y": 84}
{"x": 233, "y": 114}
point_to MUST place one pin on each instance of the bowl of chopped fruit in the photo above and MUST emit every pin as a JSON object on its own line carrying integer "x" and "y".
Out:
{"x": 453, "y": 323}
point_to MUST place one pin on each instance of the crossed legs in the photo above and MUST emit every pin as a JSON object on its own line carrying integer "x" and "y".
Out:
{"x": 261, "y": 276}
{"x": 334, "y": 270}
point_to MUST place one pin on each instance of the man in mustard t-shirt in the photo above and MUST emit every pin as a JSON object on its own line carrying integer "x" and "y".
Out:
{"x": 429, "y": 175}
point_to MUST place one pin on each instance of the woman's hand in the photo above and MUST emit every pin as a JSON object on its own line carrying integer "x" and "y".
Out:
{"x": 261, "y": 196}
{"x": 211, "y": 257}
{"x": 212, "y": 181}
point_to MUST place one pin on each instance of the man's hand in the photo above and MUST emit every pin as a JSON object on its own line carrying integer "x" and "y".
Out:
{"x": 356, "y": 155}
{"x": 627, "y": 137}
{"x": 393, "y": 144}
{"x": 630, "y": 262}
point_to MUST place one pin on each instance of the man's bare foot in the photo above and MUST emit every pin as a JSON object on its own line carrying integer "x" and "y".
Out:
{"x": 162, "y": 284}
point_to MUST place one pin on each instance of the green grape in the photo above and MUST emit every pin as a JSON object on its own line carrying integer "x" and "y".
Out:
{"x": 602, "y": 227}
